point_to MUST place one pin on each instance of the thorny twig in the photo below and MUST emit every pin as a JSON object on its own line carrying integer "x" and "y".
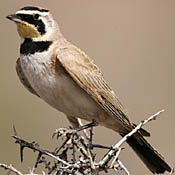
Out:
{"x": 34, "y": 146}
{"x": 83, "y": 159}
{"x": 10, "y": 168}
{"x": 110, "y": 154}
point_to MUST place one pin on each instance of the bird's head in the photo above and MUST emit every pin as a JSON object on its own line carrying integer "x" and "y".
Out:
{"x": 34, "y": 23}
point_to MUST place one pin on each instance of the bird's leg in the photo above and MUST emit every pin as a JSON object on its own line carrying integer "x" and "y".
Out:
{"x": 89, "y": 138}
{"x": 76, "y": 127}
{"x": 89, "y": 125}
{"x": 75, "y": 122}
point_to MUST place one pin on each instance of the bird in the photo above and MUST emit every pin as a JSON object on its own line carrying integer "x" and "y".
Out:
{"x": 62, "y": 75}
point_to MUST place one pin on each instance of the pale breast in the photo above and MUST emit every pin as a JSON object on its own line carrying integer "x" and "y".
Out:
{"x": 56, "y": 87}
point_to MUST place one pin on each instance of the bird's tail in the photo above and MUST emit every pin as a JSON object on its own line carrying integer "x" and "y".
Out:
{"x": 151, "y": 158}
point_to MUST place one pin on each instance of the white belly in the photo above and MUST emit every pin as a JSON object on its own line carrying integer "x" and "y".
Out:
{"x": 60, "y": 91}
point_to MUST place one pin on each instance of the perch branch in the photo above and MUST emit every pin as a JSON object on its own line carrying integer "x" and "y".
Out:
{"x": 83, "y": 158}
{"x": 118, "y": 145}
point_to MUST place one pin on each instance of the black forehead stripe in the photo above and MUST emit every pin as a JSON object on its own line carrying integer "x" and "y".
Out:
{"x": 37, "y": 23}
{"x": 34, "y": 8}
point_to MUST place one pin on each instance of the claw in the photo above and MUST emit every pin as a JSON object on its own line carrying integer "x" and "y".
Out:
{"x": 63, "y": 132}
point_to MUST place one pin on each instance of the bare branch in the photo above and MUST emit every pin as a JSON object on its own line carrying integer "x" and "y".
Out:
{"x": 10, "y": 168}
{"x": 82, "y": 159}
{"x": 118, "y": 145}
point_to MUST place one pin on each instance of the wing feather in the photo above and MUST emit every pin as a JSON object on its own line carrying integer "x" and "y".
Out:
{"x": 88, "y": 76}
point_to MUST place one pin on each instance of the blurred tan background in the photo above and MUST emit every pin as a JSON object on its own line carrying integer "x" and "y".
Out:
{"x": 133, "y": 42}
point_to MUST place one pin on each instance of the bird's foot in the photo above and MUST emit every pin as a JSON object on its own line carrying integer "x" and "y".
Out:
{"x": 63, "y": 132}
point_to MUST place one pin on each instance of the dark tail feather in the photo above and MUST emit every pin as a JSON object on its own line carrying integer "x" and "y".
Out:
{"x": 152, "y": 159}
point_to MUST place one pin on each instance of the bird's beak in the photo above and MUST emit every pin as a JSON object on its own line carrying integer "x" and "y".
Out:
{"x": 14, "y": 17}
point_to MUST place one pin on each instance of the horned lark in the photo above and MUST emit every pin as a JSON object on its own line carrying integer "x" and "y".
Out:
{"x": 67, "y": 79}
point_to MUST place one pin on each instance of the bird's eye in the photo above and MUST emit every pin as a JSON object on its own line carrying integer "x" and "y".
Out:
{"x": 36, "y": 16}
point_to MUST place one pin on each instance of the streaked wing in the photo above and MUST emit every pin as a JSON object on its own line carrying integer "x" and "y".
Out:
{"x": 88, "y": 76}
{"x": 23, "y": 78}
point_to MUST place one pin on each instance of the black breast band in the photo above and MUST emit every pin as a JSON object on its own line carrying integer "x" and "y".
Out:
{"x": 31, "y": 47}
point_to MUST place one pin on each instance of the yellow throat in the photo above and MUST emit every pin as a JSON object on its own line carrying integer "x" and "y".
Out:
{"x": 27, "y": 30}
